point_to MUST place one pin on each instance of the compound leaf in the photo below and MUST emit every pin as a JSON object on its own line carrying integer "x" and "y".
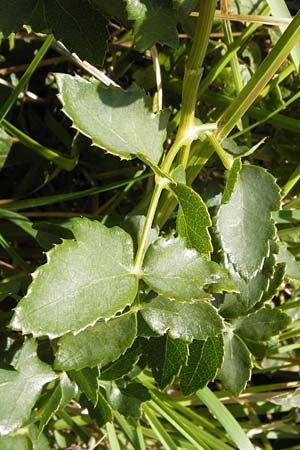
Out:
{"x": 263, "y": 324}
{"x": 193, "y": 219}
{"x": 84, "y": 280}
{"x": 236, "y": 367}
{"x": 180, "y": 273}
{"x": 185, "y": 321}
{"x": 155, "y": 21}
{"x": 83, "y": 33}
{"x": 244, "y": 223}
{"x": 205, "y": 358}
{"x": 20, "y": 389}
{"x": 104, "y": 341}
{"x": 122, "y": 121}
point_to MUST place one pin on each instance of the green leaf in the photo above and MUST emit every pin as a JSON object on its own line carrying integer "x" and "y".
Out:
{"x": 101, "y": 413}
{"x": 122, "y": 365}
{"x": 15, "y": 443}
{"x": 236, "y": 367}
{"x": 104, "y": 341}
{"x": 20, "y": 389}
{"x": 165, "y": 357}
{"x": 185, "y": 321}
{"x": 113, "y": 8}
{"x": 83, "y": 33}
{"x": 274, "y": 282}
{"x": 193, "y": 219}
{"x": 123, "y": 400}
{"x": 180, "y": 273}
{"x": 292, "y": 266}
{"x": 5, "y": 145}
{"x": 84, "y": 280}
{"x": 263, "y": 324}
{"x": 232, "y": 179}
{"x": 87, "y": 381}
{"x": 155, "y": 21}
{"x": 205, "y": 358}
{"x": 290, "y": 400}
{"x": 14, "y": 13}
{"x": 244, "y": 223}
{"x": 60, "y": 397}
{"x": 29, "y": 441}
{"x": 250, "y": 291}
{"x": 122, "y": 121}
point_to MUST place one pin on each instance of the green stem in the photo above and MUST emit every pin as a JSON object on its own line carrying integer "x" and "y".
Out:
{"x": 225, "y": 157}
{"x": 294, "y": 178}
{"x": 8, "y": 104}
{"x": 51, "y": 155}
{"x": 147, "y": 227}
{"x": 193, "y": 73}
{"x": 262, "y": 76}
{"x": 187, "y": 130}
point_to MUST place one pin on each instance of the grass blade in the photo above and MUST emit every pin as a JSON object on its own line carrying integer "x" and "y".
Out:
{"x": 225, "y": 418}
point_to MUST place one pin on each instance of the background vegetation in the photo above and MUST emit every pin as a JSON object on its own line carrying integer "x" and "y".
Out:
{"x": 247, "y": 101}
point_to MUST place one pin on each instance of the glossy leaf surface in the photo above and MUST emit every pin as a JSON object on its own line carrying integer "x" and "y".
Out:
{"x": 122, "y": 122}
{"x": 236, "y": 367}
{"x": 84, "y": 280}
{"x": 263, "y": 324}
{"x": 104, "y": 341}
{"x": 185, "y": 321}
{"x": 180, "y": 273}
{"x": 19, "y": 389}
{"x": 244, "y": 223}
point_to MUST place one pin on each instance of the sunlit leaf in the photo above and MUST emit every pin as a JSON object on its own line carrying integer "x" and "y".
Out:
{"x": 185, "y": 321}
{"x": 104, "y": 341}
{"x": 236, "y": 367}
{"x": 180, "y": 273}
{"x": 20, "y": 388}
{"x": 244, "y": 223}
{"x": 122, "y": 121}
{"x": 84, "y": 280}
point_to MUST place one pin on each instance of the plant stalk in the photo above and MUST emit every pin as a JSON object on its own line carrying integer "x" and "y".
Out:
{"x": 186, "y": 130}
{"x": 8, "y": 104}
